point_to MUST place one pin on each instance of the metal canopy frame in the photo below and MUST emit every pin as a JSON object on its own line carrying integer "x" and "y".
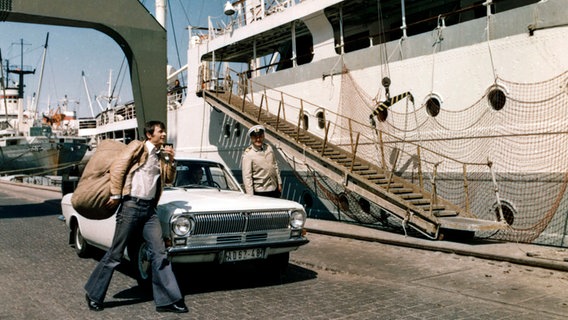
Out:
{"x": 128, "y": 23}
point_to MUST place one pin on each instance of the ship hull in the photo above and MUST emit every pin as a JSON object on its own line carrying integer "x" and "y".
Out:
{"x": 46, "y": 158}
{"x": 454, "y": 136}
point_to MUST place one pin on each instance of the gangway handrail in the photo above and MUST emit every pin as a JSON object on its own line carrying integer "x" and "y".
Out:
{"x": 249, "y": 87}
{"x": 397, "y": 201}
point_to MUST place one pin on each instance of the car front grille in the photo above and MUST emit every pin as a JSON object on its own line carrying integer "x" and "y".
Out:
{"x": 240, "y": 222}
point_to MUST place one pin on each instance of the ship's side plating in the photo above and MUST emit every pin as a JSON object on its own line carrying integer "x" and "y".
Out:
{"x": 488, "y": 82}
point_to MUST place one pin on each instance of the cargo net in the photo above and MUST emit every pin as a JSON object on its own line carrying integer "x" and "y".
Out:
{"x": 347, "y": 206}
{"x": 517, "y": 130}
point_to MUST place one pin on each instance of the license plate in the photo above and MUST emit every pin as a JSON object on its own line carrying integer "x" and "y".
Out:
{"x": 245, "y": 254}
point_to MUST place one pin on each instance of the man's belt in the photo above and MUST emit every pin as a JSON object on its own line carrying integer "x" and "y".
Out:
{"x": 139, "y": 200}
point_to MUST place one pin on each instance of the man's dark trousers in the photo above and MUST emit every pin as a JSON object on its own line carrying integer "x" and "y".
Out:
{"x": 134, "y": 215}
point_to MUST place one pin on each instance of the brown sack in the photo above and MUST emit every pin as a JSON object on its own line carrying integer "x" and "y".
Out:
{"x": 93, "y": 190}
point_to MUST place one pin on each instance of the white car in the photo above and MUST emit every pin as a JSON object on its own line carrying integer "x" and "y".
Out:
{"x": 205, "y": 220}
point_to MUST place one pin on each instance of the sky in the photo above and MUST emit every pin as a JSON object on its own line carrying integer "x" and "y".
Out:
{"x": 72, "y": 51}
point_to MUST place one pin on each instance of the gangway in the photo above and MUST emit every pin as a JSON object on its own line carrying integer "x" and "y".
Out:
{"x": 412, "y": 204}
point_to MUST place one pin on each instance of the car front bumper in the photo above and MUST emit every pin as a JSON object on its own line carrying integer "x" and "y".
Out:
{"x": 188, "y": 254}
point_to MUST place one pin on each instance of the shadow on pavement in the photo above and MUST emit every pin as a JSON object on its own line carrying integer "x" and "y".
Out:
{"x": 46, "y": 208}
{"x": 202, "y": 278}
{"x": 130, "y": 296}
{"x": 210, "y": 277}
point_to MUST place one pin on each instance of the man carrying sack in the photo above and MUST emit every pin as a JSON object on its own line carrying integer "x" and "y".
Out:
{"x": 137, "y": 178}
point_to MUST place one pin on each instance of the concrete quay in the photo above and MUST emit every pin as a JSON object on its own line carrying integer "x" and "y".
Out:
{"x": 554, "y": 258}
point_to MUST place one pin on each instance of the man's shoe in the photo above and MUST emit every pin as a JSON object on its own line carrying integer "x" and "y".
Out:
{"x": 177, "y": 307}
{"x": 93, "y": 305}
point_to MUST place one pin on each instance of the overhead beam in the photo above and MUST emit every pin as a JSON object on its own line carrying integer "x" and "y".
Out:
{"x": 128, "y": 22}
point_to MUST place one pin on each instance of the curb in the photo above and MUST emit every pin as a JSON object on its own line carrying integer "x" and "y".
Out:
{"x": 555, "y": 258}
{"x": 33, "y": 186}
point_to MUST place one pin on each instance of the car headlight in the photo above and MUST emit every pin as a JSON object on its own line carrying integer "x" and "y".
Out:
{"x": 297, "y": 219}
{"x": 182, "y": 225}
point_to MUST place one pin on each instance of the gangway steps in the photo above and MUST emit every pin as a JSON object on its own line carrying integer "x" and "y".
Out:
{"x": 397, "y": 195}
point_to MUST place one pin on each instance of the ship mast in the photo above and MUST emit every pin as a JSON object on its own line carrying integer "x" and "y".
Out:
{"x": 88, "y": 94}
{"x": 110, "y": 91}
{"x": 36, "y": 100}
{"x": 3, "y": 85}
{"x": 21, "y": 71}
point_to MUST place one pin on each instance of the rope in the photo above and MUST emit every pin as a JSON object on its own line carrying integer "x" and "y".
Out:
{"x": 488, "y": 31}
{"x": 529, "y": 234}
{"x": 383, "y": 56}
{"x": 328, "y": 194}
{"x": 45, "y": 171}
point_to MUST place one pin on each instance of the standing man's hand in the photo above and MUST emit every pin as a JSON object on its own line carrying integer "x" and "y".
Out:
{"x": 112, "y": 203}
{"x": 169, "y": 151}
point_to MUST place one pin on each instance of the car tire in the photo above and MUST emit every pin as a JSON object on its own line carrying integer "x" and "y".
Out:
{"x": 82, "y": 248}
{"x": 141, "y": 264}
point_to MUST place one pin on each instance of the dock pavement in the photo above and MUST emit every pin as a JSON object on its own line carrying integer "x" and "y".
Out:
{"x": 548, "y": 257}
{"x": 555, "y": 258}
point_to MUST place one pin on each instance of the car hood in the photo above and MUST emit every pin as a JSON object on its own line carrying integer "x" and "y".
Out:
{"x": 205, "y": 200}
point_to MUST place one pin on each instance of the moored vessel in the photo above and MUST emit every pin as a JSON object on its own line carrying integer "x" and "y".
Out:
{"x": 463, "y": 100}
{"x": 28, "y": 146}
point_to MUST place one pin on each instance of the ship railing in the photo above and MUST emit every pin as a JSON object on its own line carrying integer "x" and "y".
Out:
{"x": 175, "y": 97}
{"x": 365, "y": 140}
{"x": 427, "y": 24}
{"x": 250, "y": 12}
{"x": 256, "y": 10}
{"x": 125, "y": 112}
{"x": 116, "y": 114}
{"x": 87, "y": 123}
{"x": 43, "y": 170}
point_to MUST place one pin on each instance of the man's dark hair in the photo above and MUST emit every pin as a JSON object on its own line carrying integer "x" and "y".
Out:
{"x": 150, "y": 125}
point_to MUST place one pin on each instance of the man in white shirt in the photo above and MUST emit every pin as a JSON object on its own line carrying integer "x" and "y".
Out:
{"x": 137, "y": 178}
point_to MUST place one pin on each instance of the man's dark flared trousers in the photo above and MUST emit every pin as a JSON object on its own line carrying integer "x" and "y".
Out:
{"x": 135, "y": 217}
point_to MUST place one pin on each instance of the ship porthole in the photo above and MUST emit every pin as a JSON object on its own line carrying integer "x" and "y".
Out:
{"x": 237, "y": 130}
{"x": 227, "y": 130}
{"x": 343, "y": 201}
{"x": 307, "y": 200}
{"x": 497, "y": 98}
{"x": 433, "y": 104}
{"x": 305, "y": 122}
{"x": 320, "y": 115}
{"x": 509, "y": 211}
{"x": 364, "y": 205}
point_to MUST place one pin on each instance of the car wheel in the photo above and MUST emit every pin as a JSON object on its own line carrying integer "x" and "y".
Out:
{"x": 82, "y": 248}
{"x": 141, "y": 264}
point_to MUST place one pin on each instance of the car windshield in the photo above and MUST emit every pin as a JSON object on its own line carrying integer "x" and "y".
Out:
{"x": 195, "y": 174}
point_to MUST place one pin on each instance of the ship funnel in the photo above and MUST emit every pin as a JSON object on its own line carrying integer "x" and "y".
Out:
{"x": 229, "y": 9}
